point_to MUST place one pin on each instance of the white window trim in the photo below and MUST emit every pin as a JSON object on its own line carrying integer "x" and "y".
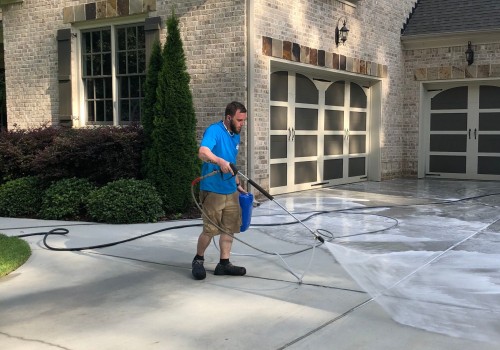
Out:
{"x": 349, "y": 2}
{"x": 78, "y": 99}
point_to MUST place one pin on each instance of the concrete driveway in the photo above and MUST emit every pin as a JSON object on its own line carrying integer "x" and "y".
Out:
{"x": 414, "y": 266}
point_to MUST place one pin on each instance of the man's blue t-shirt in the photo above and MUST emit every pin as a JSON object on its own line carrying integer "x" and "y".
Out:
{"x": 224, "y": 145}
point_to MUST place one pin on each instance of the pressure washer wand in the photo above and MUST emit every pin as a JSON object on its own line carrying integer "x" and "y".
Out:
{"x": 265, "y": 193}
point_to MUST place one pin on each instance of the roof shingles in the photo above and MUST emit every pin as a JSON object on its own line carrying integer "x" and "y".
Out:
{"x": 452, "y": 16}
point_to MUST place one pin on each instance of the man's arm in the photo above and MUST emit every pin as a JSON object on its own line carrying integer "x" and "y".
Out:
{"x": 206, "y": 155}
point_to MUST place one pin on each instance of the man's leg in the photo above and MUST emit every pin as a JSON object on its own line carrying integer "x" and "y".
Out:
{"x": 198, "y": 270}
{"x": 231, "y": 222}
{"x": 225, "y": 243}
{"x": 224, "y": 267}
{"x": 203, "y": 243}
{"x": 210, "y": 207}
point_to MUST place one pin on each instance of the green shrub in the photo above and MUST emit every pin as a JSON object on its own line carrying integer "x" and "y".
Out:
{"x": 19, "y": 147}
{"x": 100, "y": 154}
{"x": 171, "y": 156}
{"x": 125, "y": 201}
{"x": 148, "y": 104}
{"x": 20, "y": 197}
{"x": 66, "y": 199}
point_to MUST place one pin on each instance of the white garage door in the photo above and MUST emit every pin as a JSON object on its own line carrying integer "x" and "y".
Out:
{"x": 463, "y": 126}
{"x": 318, "y": 132}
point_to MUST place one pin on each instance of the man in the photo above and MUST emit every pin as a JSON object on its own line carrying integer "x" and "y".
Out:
{"x": 219, "y": 194}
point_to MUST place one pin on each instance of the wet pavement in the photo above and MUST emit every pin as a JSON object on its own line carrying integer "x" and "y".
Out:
{"x": 407, "y": 264}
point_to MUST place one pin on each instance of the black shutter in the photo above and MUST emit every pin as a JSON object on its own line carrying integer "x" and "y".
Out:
{"x": 152, "y": 32}
{"x": 64, "y": 76}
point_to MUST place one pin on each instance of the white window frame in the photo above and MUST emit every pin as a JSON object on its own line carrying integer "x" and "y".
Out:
{"x": 79, "y": 105}
{"x": 352, "y": 3}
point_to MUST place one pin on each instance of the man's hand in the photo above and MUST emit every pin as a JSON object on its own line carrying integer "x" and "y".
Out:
{"x": 225, "y": 166}
{"x": 206, "y": 155}
{"x": 241, "y": 189}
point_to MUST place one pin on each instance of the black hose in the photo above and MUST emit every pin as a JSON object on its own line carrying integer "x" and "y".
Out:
{"x": 64, "y": 231}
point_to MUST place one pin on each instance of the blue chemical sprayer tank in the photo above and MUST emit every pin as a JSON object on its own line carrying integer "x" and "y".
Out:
{"x": 246, "y": 204}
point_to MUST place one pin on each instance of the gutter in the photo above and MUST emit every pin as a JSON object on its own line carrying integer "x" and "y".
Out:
{"x": 250, "y": 87}
{"x": 435, "y": 40}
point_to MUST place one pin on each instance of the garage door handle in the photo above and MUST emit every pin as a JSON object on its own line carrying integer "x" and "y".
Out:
{"x": 475, "y": 134}
{"x": 469, "y": 134}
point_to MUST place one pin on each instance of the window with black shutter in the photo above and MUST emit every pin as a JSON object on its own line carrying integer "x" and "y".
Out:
{"x": 113, "y": 61}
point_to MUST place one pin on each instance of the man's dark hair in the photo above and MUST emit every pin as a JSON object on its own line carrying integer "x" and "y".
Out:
{"x": 233, "y": 107}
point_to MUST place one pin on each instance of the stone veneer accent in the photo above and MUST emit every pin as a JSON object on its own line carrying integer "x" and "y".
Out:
{"x": 455, "y": 72}
{"x": 106, "y": 9}
{"x": 299, "y": 53}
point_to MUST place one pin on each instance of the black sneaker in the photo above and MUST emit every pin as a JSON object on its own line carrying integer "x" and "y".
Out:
{"x": 229, "y": 269}
{"x": 198, "y": 271}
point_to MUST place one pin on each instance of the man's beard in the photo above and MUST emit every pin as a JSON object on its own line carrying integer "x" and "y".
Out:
{"x": 233, "y": 128}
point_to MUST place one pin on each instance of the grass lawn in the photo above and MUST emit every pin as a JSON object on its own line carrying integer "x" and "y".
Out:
{"x": 13, "y": 253}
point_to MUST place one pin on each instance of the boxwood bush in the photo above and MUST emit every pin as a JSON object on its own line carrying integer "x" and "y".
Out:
{"x": 66, "y": 199}
{"x": 125, "y": 201}
{"x": 20, "y": 197}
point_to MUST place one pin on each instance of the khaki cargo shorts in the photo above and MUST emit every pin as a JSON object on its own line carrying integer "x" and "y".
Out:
{"x": 222, "y": 209}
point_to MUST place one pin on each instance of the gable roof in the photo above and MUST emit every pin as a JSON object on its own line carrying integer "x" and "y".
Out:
{"x": 435, "y": 17}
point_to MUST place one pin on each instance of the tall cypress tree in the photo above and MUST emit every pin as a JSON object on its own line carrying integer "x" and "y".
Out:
{"x": 150, "y": 87}
{"x": 174, "y": 148}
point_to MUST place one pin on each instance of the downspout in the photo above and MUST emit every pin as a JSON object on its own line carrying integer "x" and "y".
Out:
{"x": 250, "y": 87}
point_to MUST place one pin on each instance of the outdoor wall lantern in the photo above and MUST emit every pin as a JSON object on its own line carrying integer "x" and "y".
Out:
{"x": 341, "y": 34}
{"x": 469, "y": 54}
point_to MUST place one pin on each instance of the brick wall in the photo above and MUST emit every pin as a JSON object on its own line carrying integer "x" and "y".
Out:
{"x": 214, "y": 42}
{"x": 374, "y": 36}
{"x": 214, "y": 35}
{"x": 31, "y": 62}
